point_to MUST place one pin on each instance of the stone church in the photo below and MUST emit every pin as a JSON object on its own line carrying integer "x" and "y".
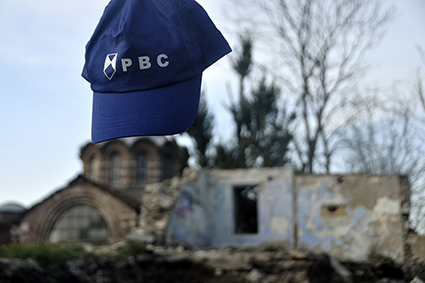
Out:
{"x": 102, "y": 205}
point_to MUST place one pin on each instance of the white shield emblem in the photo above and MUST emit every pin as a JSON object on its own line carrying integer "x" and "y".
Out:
{"x": 110, "y": 66}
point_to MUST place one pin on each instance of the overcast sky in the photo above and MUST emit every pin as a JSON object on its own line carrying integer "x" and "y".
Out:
{"x": 45, "y": 104}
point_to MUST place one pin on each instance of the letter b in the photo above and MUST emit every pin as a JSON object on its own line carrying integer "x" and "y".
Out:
{"x": 144, "y": 62}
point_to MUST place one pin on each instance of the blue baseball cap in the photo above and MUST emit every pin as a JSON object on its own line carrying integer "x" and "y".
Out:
{"x": 144, "y": 63}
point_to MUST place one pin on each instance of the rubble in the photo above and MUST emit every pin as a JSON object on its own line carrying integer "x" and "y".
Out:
{"x": 165, "y": 264}
{"x": 157, "y": 202}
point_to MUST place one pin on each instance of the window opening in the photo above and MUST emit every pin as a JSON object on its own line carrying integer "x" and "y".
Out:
{"x": 79, "y": 223}
{"x": 167, "y": 162}
{"x": 142, "y": 161}
{"x": 245, "y": 209}
{"x": 115, "y": 168}
{"x": 333, "y": 210}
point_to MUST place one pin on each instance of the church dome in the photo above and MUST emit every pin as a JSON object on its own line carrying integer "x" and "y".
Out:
{"x": 12, "y": 208}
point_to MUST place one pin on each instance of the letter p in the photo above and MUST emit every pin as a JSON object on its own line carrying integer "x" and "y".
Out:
{"x": 126, "y": 62}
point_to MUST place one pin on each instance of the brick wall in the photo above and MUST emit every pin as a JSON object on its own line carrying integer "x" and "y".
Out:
{"x": 128, "y": 150}
{"x": 39, "y": 220}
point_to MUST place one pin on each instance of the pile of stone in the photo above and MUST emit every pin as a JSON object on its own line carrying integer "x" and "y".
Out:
{"x": 157, "y": 203}
{"x": 166, "y": 265}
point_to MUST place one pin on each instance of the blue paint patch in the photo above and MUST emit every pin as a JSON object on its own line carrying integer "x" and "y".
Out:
{"x": 360, "y": 213}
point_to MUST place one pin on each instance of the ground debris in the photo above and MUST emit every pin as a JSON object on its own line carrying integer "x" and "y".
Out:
{"x": 194, "y": 266}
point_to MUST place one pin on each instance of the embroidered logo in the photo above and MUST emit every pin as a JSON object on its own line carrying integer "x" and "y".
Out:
{"x": 110, "y": 66}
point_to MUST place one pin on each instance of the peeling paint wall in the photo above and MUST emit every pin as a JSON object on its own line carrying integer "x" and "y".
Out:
{"x": 274, "y": 204}
{"x": 204, "y": 214}
{"x": 349, "y": 217}
{"x": 416, "y": 244}
{"x": 189, "y": 219}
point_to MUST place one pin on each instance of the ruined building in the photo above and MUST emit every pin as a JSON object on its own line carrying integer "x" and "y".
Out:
{"x": 10, "y": 216}
{"x": 103, "y": 204}
{"x": 139, "y": 188}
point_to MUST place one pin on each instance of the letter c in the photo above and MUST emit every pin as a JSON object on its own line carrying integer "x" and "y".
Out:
{"x": 160, "y": 62}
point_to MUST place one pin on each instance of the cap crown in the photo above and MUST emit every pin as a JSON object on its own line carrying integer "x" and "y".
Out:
{"x": 146, "y": 44}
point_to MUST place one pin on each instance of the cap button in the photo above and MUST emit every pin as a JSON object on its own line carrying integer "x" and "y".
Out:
{"x": 182, "y": 5}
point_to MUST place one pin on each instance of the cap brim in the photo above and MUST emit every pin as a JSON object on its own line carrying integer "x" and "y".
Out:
{"x": 163, "y": 111}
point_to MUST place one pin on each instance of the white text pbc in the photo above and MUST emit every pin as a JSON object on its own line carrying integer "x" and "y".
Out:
{"x": 145, "y": 62}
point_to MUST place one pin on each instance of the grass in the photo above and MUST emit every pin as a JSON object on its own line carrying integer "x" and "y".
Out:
{"x": 132, "y": 247}
{"x": 376, "y": 257}
{"x": 273, "y": 248}
{"x": 46, "y": 253}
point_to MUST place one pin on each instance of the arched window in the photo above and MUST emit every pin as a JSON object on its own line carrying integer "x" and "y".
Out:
{"x": 114, "y": 168}
{"x": 93, "y": 168}
{"x": 167, "y": 166}
{"x": 79, "y": 223}
{"x": 142, "y": 167}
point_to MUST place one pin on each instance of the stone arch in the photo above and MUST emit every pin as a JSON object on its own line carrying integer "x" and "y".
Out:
{"x": 65, "y": 206}
{"x": 120, "y": 213}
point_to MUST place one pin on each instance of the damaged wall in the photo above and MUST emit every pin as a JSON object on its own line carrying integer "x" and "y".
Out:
{"x": 353, "y": 216}
{"x": 349, "y": 217}
{"x": 207, "y": 212}
{"x": 273, "y": 201}
{"x": 189, "y": 220}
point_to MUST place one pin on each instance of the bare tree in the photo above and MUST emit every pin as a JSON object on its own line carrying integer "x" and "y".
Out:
{"x": 420, "y": 93}
{"x": 383, "y": 141}
{"x": 418, "y": 124}
{"x": 317, "y": 48}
